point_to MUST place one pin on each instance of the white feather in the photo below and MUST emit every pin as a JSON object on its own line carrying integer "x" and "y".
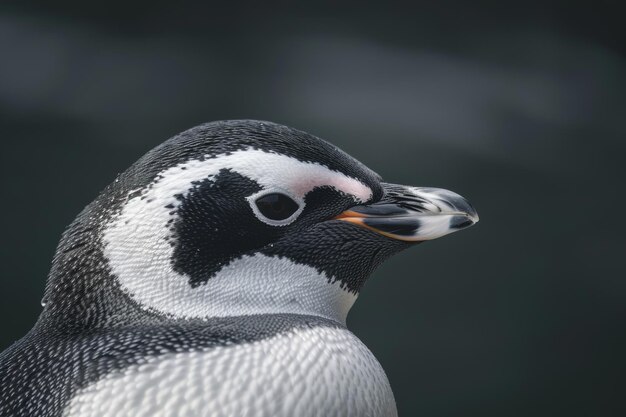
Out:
{"x": 323, "y": 372}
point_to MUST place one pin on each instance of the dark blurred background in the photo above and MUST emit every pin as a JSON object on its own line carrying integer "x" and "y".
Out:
{"x": 518, "y": 106}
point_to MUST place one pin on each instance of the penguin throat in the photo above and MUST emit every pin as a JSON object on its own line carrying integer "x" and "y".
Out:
{"x": 250, "y": 285}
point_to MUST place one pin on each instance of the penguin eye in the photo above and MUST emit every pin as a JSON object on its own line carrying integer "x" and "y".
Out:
{"x": 276, "y": 206}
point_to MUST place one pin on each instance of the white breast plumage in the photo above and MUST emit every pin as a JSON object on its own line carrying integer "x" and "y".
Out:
{"x": 318, "y": 371}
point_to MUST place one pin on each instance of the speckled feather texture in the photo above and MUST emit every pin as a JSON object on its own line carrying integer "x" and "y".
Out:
{"x": 194, "y": 368}
{"x": 176, "y": 293}
{"x": 313, "y": 372}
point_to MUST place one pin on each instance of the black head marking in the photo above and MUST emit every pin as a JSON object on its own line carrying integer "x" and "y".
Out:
{"x": 214, "y": 225}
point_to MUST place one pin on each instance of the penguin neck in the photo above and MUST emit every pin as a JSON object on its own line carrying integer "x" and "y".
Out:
{"x": 261, "y": 284}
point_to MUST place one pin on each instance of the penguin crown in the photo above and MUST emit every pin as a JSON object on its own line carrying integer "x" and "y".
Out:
{"x": 238, "y": 218}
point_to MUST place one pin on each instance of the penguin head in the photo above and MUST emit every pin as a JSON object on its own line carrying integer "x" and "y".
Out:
{"x": 239, "y": 218}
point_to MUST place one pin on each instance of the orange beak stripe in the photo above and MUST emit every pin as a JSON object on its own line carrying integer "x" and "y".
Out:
{"x": 357, "y": 219}
{"x": 349, "y": 214}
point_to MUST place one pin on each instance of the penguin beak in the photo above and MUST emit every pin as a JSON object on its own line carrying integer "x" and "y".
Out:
{"x": 413, "y": 214}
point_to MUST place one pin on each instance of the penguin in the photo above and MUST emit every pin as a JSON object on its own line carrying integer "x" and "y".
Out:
{"x": 213, "y": 278}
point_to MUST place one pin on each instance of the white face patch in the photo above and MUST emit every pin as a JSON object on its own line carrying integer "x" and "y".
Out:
{"x": 140, "y": 256}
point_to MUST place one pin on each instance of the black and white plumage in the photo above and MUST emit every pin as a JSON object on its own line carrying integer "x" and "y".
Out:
{"x": 213, "y": 278}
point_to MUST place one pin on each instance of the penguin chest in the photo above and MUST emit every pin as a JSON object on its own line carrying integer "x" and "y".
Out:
{"x": 317, "y": 371}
